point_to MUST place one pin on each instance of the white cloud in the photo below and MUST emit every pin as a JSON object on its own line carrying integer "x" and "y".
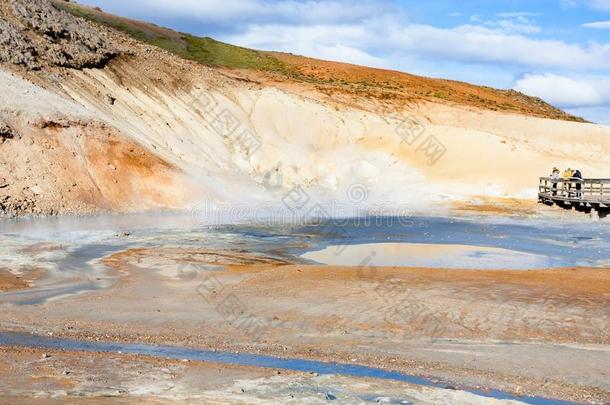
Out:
{"x": 345, "y": 54}
{"x": 314, "y": 40}
{"x": 601, "y": 5}
{"x": 252, "y": 11}
{"x": 517, "y": 14}
{"x": 386, "y": 36}
{"x": 569, "y": 92}
{"x": 370, "y": 32}
{"x": 514, "y": 25}
{"x": 600, "y": 115}
{"x": 602, "y": 25}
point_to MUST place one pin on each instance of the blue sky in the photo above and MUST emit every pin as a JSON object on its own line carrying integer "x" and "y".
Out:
{"x": 555, "y": 49}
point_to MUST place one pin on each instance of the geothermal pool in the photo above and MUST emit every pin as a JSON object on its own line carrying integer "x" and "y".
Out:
{"x": 427, "y": 255}
{"x": 72, "y": 265}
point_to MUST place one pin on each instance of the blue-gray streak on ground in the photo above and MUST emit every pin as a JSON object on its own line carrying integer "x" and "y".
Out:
{"x": 246, "y": 359}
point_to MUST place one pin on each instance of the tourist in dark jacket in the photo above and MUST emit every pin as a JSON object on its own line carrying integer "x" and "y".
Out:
{"x": 577, "y": 176}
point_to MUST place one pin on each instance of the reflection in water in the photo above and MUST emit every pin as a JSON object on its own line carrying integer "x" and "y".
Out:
{"x": 427, "y": 255}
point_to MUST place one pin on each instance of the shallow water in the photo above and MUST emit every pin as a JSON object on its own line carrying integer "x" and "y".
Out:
{"x": 428, "y": 255}
{"x": 380, "y": 241}
{"x": 246, "y": 359}
{"x": 74, "y": 274}
{"x": 560, "y": 243}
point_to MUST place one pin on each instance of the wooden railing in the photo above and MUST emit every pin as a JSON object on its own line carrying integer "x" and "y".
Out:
{"x": 593, "y": 191}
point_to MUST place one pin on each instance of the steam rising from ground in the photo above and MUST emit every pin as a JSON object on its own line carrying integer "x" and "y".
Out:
{"x": 251, "y": 151}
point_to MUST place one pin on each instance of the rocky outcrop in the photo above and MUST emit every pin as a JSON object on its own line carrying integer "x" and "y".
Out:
{"x": 14, "y": 207}
{"x": 6, "y": 132}
{"x": 35, "y": 33}
{"x": 15, "y": 47}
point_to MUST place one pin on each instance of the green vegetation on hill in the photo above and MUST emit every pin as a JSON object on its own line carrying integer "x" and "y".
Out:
{"x": 204, "y": 50}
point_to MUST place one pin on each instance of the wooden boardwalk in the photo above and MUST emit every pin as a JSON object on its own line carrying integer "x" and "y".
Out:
{"x": 584, "y": 195}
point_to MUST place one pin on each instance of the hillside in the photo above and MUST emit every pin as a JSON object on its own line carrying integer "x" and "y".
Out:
{"x": 128, "y": 116}
{"x": 328, "y": 77}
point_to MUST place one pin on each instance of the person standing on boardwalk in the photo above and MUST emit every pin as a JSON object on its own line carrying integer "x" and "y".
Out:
{"x": 555, "y": 179}
{"x": 577, "y": 175}
{"x": 567, "y": 182}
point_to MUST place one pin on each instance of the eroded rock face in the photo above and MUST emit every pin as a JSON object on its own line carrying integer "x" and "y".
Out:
{"x": 15, "y": 47}
{"x": 34, "y": 32}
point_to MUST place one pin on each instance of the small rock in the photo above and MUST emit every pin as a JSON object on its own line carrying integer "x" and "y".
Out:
{"x": 6, "y": 132}
{"x": 330, "y": 396}
{"x": 66, "y": 372}
{"x": 45, "y": 355}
